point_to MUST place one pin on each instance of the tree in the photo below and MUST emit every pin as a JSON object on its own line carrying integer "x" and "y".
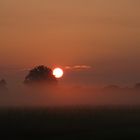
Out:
{"x": 137, "y": 86}
{"x": 3, "y": 84}
{"x": 40, "y": 75}
{"x": 112, "y": 87}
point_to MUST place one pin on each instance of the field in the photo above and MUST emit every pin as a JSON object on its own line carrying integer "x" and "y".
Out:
{"x": 71, "y": 123}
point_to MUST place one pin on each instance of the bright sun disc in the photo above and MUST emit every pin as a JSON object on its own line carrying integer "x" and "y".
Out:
{"x": 58, "y": 72}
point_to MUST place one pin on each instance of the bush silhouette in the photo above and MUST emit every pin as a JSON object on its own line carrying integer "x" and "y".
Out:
{"x": 40, "y": 74}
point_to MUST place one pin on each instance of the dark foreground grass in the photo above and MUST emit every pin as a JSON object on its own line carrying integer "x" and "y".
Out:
{"x": 70, "y": 123}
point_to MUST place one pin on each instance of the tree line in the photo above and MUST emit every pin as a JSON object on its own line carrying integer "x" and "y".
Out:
{"x": 36, "y": 76}
{"x": 41, "y": 74}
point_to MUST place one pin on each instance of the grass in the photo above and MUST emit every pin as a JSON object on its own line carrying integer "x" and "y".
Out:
{"x": 70, "y": 123}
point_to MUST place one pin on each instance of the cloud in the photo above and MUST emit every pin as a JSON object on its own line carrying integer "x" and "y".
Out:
{"x": 77, "y": 67}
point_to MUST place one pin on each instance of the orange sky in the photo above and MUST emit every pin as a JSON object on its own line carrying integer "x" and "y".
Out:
{"x": 104, "y": 34}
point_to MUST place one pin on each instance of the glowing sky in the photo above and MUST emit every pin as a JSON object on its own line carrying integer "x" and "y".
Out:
{"x": 104, "y": 34}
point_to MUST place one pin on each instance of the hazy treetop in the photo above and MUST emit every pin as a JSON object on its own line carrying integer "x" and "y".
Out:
{"x": 40, "y": 74}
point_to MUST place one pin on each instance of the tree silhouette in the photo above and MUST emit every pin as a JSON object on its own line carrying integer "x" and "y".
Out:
{"x": 40, "y": 74}
{"x": 112, "y": 87}
{"x": 137, "y": 86}
{"x": 3, "y": 84}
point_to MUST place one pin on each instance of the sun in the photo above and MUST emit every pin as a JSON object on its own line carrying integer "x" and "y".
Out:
{"x": 58, "y": 72}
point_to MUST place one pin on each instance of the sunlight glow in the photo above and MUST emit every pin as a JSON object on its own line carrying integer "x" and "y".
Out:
{"x": 58, "y": 72}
